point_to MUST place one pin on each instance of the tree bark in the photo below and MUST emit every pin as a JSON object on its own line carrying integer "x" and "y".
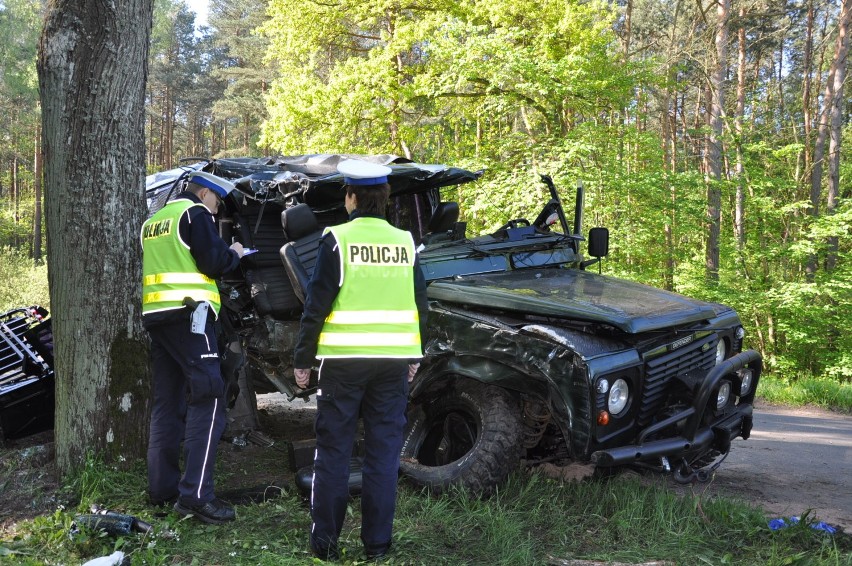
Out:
{"x": 739, "y": 206}
{"x": 806, "y": 86}
{"x": 92, "y": 67}
{"x": 16, "y": 201}
{"x": 827, "y": 115}
{"x": 835, "y": 121}
{"x": 714, "y": 146}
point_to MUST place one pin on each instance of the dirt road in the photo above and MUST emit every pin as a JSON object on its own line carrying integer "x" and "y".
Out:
{"x": 796, "y": 460}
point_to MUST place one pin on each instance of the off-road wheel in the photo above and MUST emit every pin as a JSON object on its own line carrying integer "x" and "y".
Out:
{"x": 470, "y": 437}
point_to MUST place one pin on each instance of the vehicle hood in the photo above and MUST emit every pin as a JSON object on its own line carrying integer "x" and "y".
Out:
{"x": 575, "y": 294}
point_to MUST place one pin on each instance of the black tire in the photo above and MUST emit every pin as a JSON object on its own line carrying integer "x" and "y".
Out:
{"x": 470, "y": 437}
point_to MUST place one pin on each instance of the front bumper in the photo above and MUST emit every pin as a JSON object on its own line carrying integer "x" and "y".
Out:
{"x": 695, "y": 438}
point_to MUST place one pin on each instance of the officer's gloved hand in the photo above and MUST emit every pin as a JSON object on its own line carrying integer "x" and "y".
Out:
{"x": 303, "y": 376}
{"x": 412, "y": 370}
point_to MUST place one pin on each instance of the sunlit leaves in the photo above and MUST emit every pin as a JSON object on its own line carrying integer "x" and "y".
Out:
{"x": 384, "y": 76}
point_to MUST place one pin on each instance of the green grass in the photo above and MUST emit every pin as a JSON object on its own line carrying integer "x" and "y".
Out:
{"x": 821, "y": 392}
{"x": 21, "y": 283}
{"x": 531, "y": 520}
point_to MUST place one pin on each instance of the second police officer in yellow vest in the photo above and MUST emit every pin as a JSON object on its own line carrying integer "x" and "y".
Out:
{"x": 182, "y": 255}
{"x": 365, "y": 309}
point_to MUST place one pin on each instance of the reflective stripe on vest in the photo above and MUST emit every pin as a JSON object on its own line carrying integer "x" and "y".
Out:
{"x": 374, "y": 314}
{"x": 169, "y": 272}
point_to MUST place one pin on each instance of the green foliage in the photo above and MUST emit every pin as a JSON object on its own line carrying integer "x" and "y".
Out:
{"x": 437, "y": 82}
{"x": 21, "y": 283}
{"x": 526, "y": 87}
{"x": 240, "y": 65}
{"x": 19, "y": 24}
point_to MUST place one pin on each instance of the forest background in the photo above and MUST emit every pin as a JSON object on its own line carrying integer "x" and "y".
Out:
{"x": 712, "y": 136}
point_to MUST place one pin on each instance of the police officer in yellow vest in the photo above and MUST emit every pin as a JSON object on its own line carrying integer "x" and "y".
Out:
{"x": 366, "y": 305}
{"x": 183, "y": 254}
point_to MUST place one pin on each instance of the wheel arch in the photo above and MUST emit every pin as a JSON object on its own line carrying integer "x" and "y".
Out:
{"x": 442, "y": 372}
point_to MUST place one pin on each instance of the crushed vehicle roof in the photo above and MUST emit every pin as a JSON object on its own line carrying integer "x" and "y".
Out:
{"x": 314, "y": 176}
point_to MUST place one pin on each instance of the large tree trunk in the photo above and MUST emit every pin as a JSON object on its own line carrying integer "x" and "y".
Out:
{"x": 714, "y": 146}
{"x": 92, "y": 67}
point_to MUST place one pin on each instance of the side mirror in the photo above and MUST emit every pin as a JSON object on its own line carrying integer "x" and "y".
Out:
{"x": 598, "y": 242}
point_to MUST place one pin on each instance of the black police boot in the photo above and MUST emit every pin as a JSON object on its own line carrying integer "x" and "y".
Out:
{"x": 162, "y": 501}
{"x": 376, "y": 552}
{"x": 162, "y": 505}
{"x": 214, "y": 512}
{"x": 327, "y": 554}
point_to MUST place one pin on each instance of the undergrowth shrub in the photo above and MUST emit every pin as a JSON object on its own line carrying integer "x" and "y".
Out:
{"x": 22, "y": 283}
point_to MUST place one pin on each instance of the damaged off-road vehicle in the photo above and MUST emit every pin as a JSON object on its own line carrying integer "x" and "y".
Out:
{"x": 27, "y": 381}
{"x": 530, "y": 356}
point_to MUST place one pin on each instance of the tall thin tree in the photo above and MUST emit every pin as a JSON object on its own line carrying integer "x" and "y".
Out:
{"x": 835, "y": 121}
{"x": 714, "y": 145}
{"x": 826, "y": 116}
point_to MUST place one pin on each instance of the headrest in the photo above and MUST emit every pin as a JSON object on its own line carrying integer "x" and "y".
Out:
{"x": 445, "y": 216}
{"x": 299, "y": 221}
{"x": 218, "y": 185}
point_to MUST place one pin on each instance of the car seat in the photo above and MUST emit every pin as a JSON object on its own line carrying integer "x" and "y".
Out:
{"x": 299, "y": 254}
{"x": 443, "y": 224}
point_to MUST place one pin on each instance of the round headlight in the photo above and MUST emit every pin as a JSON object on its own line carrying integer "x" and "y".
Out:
{"x": 603, "y": 386}
{"x": 723, "y": 394}
{"x": 721, "y": 352}
{"x": 740, "y": 333}
{"x": 745, "y": 380}
{"x": 618, "y": 395}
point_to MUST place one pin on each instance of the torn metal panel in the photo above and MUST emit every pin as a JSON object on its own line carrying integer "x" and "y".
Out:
{"x": 490, "y": 351}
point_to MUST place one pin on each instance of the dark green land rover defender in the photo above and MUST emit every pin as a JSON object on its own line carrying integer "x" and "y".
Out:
{"x": 531, "y": 357}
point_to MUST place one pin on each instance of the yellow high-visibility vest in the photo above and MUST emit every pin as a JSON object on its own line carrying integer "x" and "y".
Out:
{"x": 374, "y": 314}
{"x": 169, "y": 272}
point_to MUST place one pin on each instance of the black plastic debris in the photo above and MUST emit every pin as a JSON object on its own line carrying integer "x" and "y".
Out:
{"x": 26, "y": 372}
{"x": 111, "y": 522}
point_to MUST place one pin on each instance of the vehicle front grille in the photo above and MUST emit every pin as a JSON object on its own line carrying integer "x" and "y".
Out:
{"x": 659, "y": 371}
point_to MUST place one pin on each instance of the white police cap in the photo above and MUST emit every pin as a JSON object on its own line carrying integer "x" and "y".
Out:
{"x": 218, "y": 185}
{"x": 357, "y": 172}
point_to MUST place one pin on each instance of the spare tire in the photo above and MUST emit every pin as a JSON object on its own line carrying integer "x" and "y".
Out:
{"x": 469, "y": 437}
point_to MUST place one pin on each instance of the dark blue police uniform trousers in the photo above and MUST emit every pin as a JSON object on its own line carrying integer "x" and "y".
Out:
{"x": 188, "y": 404}
{"x": 377, "y": 389}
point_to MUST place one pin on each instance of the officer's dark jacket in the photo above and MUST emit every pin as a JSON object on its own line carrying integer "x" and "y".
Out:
{"x": 324, "y": 288}
{"x": 213, "y": 257}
